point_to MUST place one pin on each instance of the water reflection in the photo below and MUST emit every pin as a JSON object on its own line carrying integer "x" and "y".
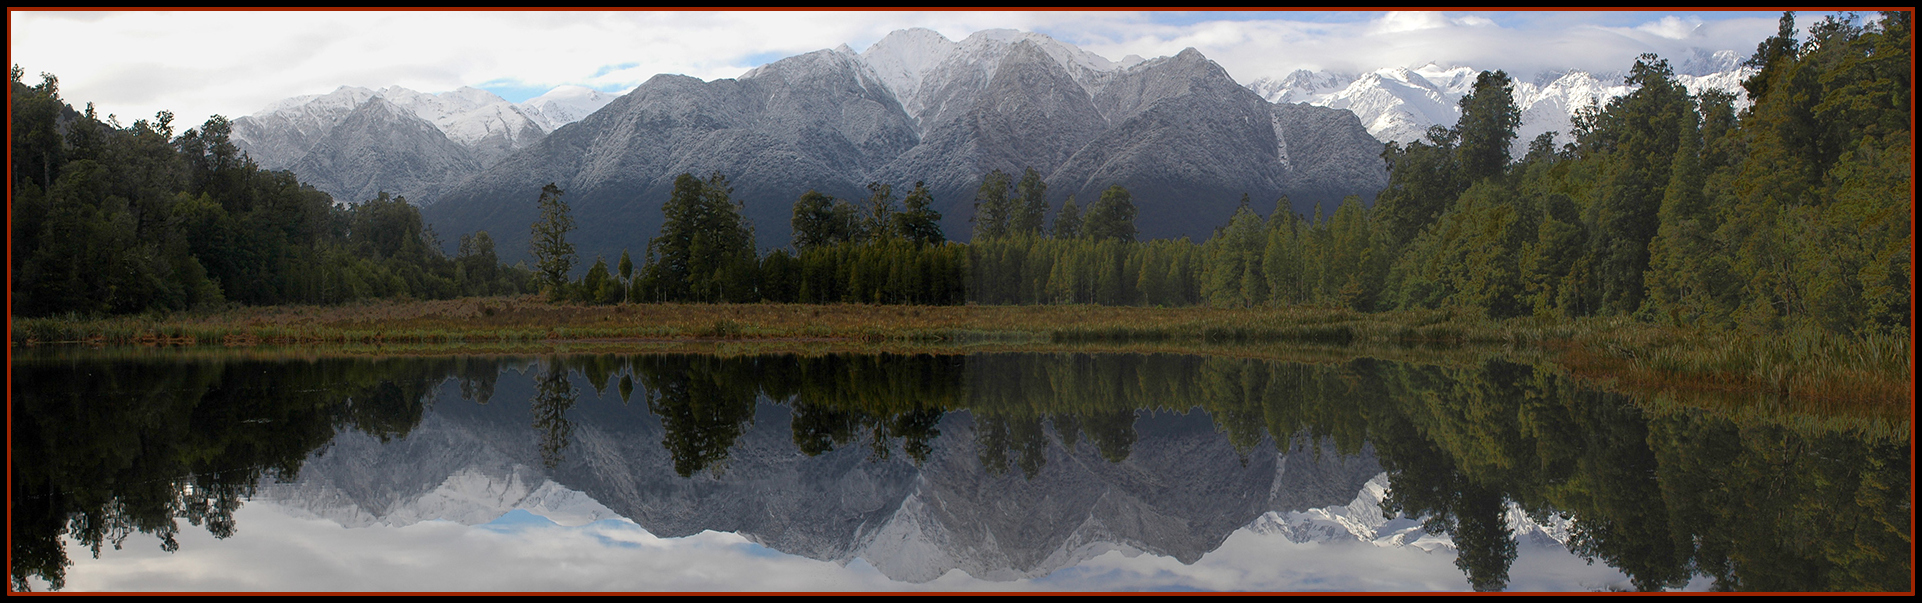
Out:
{"x": 1001, "y": 465}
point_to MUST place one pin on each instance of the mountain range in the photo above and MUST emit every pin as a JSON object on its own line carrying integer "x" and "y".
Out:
{"x": 1399, "y": 104}
{"x": 1178, "y": 132}
{"x": 1182, "y": 491}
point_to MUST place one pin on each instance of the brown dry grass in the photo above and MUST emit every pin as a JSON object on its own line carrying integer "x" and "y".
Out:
{"x": 1835, "y": 373}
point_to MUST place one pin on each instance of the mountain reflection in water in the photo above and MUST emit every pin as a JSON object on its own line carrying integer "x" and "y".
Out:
{"x": 1003, "y": 466}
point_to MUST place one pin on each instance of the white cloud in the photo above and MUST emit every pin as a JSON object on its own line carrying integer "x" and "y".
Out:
{"x": 276, "y": 551}
{"x": 1672, "y": 27}
{"x": 234, "y": 63}
{"x": 1396, "y": 22}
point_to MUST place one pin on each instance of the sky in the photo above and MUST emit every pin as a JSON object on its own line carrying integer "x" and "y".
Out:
{"x": 233, "y": 63}
{"x": 279, "y": 548}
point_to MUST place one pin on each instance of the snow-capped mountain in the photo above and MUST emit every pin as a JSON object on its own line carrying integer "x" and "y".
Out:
{"x": 477, "y": 119}
{"x": 565, "y": 105}
{"x": 478, "y": 128}
{"x": 936, "y": 79}
{"x": 1399, "y": 104}
{"x": 384, "y": 147}
{"x": 1181, "y": 491}
{"x": 280, "y": 134}
{"x": 1178, "y": 132}
{"x": 1361, "y": 520}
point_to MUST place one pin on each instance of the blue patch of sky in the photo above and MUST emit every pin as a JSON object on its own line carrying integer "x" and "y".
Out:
{"x": 517, "y": 92}
{"x": 756, "y": 550}
{"x": 517, "y": 519}
{"x": 612, "y": 543}
{"x": 606, "y": 69}
{"x": 514, "y": 92}
{"x": 762, "y": 58}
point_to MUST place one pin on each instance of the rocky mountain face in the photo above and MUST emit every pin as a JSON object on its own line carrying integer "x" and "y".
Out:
{"x": 380, "y": 146}
{"x": 821, "y": 121}
{"x": 1399, "y": 104}
{"x": 1181, "y": 491}
{"x": 1178, "y": 132}
{"x": 564, "y": 105}
{"x": 437, "y": 139}
{"x": 1361, "y": 520}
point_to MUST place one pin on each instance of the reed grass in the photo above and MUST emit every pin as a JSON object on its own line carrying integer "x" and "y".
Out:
{"x": 1838, "y": 371}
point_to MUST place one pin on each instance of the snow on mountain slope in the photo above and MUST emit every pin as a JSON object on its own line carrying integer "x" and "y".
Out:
{"x": 280, "y": 134}
{"x": 565, "y": 105}
{"x": 1399, "y": 104}
{"x": 937, "y": 79}
{"x": 482, "y": 121}
{"x": 904, "y": 57}
{"x": 1362, "y": 520}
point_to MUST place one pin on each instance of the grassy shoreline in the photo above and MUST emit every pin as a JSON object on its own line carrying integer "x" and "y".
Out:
{"x": 1823, "y": 369}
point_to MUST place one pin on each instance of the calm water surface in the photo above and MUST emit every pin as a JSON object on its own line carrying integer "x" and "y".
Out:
{"x": 164, "y": 471}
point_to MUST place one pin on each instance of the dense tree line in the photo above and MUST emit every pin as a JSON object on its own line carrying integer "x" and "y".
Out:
{"x": 1665, "y": 206}
{"x": 111, "y": 219}
{"x": 1664, "y": 492}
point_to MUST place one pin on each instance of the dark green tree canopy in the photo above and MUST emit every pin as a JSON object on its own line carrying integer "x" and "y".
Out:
{"x": 1067, "y": 223}
{"x": 1487, "y": 125}
{"x": 993, "y": 207}
{"x": 821, "y": 220}
{"x": 918, "y": 222}
{"x": 1113, "y": 217}
{"x": 1031, "y": 209}
{"x": 553, "y": 255}
{"x": 706, "y": 248}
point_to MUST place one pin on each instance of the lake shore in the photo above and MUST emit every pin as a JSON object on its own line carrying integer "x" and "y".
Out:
{"x": 1827, "y": 371}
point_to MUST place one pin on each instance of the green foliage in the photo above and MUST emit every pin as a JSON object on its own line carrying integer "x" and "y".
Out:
{"x": 553, "y": 255}
{"x": 1235, "y": 277}
{"x": 118, "y": 220}
{"x": 1031, "y": 205}
{"x": 994, "y": 209}
{"x": 1067, "y": 223}
{"x": 1489, "y": 117}
{"x": 918, "y": 222}
{"x": 823, "y": 220}
{"x": 706, "y": 248}
{"x": 878, "y": 221}
{"x": 1112, "y": 217}
{"x": 1422, "y": 179}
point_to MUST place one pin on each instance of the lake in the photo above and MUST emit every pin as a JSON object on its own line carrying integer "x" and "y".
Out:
{"x": 167, "y": 469}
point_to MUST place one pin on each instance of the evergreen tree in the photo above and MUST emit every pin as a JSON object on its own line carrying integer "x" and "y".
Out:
{"x": 1489, "y": 117}
{"x": 918, "y": 222}
{"x": 1635, "y": 138}
{"x": 1032, "y": 207}
{"x": 1235, "y": 276}
{"x": 993, "y": 207}
{"x": 627, "y": 274}
{"x": 878, "y": 221}
{"x": 1113, "y": 217}
{"x": 706, "y": 248}
{"x": 1423, "y": 178}
{"x": 822, "y": 220}
{"x": 1067, "y": 223}
{"x": 597, "y": 287}
{"x": 553, "y": 255}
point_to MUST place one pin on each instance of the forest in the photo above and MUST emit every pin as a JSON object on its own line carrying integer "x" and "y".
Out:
{"x": 1789, "y": 210}
{"x": 113, "y": 219}
{"x": 1664, "y": 206}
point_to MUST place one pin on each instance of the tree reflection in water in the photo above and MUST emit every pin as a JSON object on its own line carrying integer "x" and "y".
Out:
{"x": 109, "y": 446}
